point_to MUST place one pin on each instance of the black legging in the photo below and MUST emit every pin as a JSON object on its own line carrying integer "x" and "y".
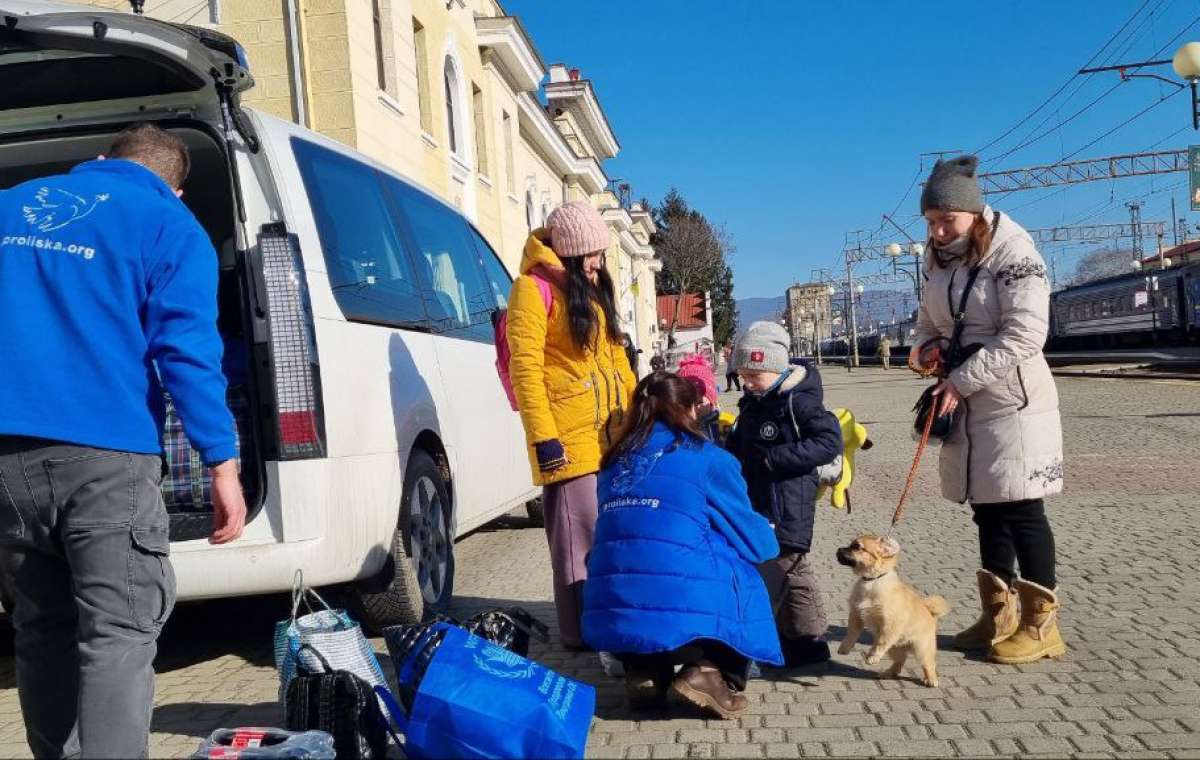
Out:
{"x": 1016, "y": 533}
{"x": 732, "y": 379}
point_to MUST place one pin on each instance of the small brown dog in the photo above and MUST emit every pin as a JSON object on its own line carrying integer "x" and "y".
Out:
{"x": 902, "y": 621}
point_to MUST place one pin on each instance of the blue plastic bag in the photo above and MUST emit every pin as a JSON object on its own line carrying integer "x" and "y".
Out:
{"x": 478, "y": 700}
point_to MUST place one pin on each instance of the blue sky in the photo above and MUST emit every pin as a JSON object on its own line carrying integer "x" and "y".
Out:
{"x": 794, "y": 122}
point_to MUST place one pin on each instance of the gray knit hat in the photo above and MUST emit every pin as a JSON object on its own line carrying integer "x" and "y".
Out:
{"x": 765, "y": 347}
{"x": 952, "y": 186}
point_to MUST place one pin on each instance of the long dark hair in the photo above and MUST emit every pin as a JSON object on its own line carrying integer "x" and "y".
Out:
{"x": 581, "y": 313}
{"x": 659, "y": 397}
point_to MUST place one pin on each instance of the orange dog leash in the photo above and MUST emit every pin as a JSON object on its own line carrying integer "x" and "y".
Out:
{"x": 929, "y": 356}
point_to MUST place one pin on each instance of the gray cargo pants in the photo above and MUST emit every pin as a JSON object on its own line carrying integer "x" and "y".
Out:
{"x": 83, "y": 534}
{"x": 795, "y": 595}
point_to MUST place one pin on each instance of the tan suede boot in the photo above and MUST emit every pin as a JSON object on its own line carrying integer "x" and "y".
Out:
{"x": 702, "y": 685}
{"x": 1037, "y": 635}
{"x": 999, "y": 618}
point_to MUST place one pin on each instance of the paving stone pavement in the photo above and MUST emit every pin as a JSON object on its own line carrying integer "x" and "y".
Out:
{"x": 1128, "y": 562}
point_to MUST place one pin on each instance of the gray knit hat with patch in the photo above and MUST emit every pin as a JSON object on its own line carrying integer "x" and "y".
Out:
{"x": 953, "y": 186}
{"x": 765, "y": 347}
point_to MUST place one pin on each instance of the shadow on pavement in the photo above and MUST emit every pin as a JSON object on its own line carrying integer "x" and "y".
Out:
{"x": 200, "y": 719}
{"x": 200, "y": 631}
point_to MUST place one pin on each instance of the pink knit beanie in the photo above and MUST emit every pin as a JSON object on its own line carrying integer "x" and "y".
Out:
{"x": 577, "y": 229}
{"x": 696, "y": 366}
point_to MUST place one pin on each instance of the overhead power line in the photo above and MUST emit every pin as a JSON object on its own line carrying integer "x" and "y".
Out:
{"x": 1067, "y": 83}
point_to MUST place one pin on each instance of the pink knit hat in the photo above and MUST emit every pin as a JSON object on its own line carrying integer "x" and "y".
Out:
{"x": 696, "y": 366}
{"x": 577, "y": 229}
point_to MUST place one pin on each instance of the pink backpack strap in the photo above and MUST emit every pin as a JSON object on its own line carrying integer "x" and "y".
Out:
{"x": 543, "y": 287}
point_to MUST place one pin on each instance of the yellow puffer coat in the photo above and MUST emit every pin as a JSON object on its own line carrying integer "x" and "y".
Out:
{"x": 563, "y": 392}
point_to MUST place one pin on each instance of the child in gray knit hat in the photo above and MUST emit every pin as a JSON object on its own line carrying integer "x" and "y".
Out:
{"x": 782, "y": 435}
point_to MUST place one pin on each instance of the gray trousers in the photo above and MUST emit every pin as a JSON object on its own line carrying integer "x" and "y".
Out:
{"x": 84, "y": 538}
{"x": 795, "y": 596}
{"x": 570, "y": 508}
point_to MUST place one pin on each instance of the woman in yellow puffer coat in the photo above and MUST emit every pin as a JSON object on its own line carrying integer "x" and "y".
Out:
{"x": 572, "y": 382}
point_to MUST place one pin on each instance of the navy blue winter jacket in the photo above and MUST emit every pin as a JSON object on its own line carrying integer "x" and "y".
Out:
{"x": 107, "y": 283}
{"x": 675, "y": 552}
{"x": 780, "y": 438}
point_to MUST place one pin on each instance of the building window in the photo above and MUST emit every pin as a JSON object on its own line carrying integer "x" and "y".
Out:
{"x": 529, "y": 209}
{"x": 422, "y": 56}
{"x": 481, "y": 156}
{"x": 453, "y": 107}
{"x": 508, "y": 153}
{"x": 385, "y": 60}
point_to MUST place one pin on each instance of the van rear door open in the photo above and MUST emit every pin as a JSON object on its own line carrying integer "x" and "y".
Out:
{"x": 110, "y": 65}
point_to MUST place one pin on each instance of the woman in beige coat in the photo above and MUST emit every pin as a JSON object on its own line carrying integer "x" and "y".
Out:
{"x": 1005, "y": 453}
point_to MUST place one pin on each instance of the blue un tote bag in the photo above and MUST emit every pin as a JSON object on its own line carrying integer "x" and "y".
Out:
{"x": 478, "y": 700}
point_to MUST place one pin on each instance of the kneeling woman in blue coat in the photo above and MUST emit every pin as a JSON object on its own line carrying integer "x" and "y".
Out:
{"x": 672, "y": 576}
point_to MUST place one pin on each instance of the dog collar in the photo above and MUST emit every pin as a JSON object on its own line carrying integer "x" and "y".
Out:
{"x": 877, "y": 577}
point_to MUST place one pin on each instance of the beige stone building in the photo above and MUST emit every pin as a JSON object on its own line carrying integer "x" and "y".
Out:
{"x": 809, "y": 316}
{"x": 450, "y": 93}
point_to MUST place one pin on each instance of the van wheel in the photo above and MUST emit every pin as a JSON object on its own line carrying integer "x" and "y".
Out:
{"x": 536, "y": 510}
{"x": 418, "y": 577}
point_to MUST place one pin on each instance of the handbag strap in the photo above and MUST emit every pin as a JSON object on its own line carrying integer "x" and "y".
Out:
{"x": 320, "y": 657}
{"x": 960, "y": 318}
{"x": 960, "y": 314}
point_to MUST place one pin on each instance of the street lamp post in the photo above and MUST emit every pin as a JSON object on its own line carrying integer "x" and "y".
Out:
{"x": 895, "y": 252}
{"x": 1186, "y": 64}
{"x": 852, "y": 294}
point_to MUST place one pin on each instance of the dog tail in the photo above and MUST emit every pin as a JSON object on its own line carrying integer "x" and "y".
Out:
{"x": 936, "y": 605}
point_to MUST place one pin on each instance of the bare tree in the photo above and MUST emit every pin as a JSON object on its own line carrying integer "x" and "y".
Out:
{"x": 1102, "y": 263}
{"x": 693, "y": 252}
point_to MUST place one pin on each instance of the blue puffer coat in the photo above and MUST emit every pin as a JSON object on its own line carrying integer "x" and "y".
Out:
{"x": 675, "y": 553}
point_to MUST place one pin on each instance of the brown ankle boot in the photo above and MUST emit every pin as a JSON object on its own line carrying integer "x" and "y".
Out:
{"x": 702, "y": 685}
{"x": 1037, "y": 636}
{"x": 999, "y": 618}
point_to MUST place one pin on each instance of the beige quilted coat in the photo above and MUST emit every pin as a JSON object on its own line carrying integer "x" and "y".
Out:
{"x": 1008, "y": 442}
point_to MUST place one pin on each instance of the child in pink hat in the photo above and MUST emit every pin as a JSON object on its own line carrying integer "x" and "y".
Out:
{"x": 696, "y": 370}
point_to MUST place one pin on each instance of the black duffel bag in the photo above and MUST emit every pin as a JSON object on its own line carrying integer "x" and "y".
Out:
{"x": 340, "y": 703}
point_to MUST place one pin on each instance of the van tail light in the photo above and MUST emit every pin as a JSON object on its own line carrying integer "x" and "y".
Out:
{"x": 299, "y": 412}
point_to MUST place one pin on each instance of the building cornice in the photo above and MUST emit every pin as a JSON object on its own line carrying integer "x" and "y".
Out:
{"x": 579, "y": 96}
{"x": 590, "y": 175}
{"x": 546, "y": 136}
{"x": 513, "y": 50}
{"x": 618, "y": 217}
{"x": 635, "y": 247}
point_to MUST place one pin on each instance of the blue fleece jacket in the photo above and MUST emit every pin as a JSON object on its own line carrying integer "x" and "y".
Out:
{"x": 107, "y": 284}
{"x": 675, "y": 552}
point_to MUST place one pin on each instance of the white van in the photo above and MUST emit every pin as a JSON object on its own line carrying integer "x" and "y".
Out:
{"x": 355, "y": 308}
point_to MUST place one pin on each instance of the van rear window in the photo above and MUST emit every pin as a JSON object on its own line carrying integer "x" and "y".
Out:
{"x": 51, "y": 81}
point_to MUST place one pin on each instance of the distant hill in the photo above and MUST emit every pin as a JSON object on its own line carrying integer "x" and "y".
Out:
{"x": 752, "y": 310}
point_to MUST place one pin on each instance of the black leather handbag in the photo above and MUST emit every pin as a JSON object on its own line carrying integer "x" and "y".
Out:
{"x": 340, "y": 703}
{"x": 955, "y": 354}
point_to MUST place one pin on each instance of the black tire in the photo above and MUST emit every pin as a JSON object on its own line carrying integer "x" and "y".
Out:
{"x": 418, "y": 576}
{"x": 536, "y": 510}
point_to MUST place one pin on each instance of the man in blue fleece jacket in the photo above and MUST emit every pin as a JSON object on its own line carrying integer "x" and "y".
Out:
{"x": 107, "y": 285}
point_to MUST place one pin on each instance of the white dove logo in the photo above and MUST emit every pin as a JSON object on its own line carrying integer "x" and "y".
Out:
{"x": 56, "y": 208}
